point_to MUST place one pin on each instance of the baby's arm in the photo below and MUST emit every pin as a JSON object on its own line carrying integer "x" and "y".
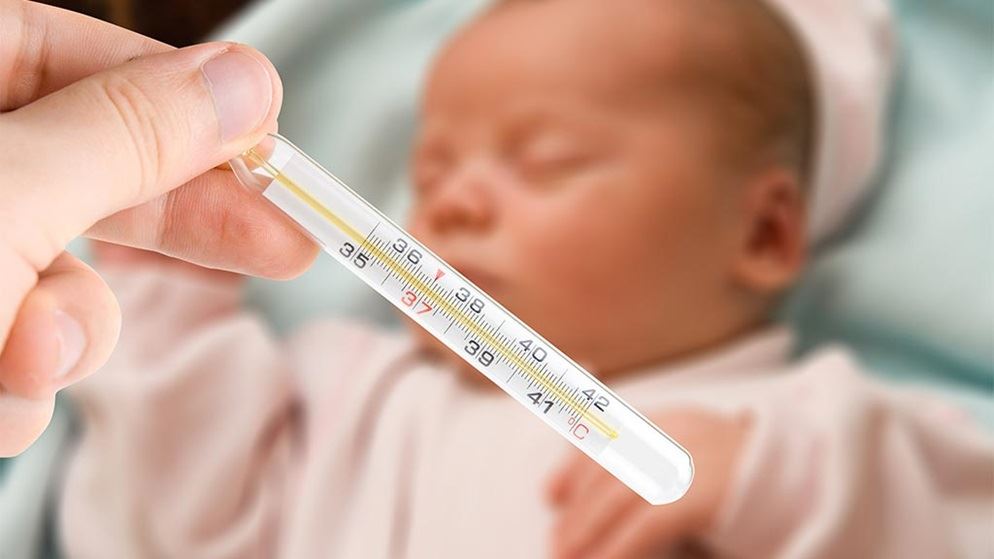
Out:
{"x": 822, "y": 463}
{"x": 187, "y": 428}
{"x": 839, "y": 465}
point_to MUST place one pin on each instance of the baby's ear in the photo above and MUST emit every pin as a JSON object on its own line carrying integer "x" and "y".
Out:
{"x": 772, "y": 245}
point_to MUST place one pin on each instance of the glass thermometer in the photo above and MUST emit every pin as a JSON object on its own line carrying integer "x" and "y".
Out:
{"x": 478, "y": 329}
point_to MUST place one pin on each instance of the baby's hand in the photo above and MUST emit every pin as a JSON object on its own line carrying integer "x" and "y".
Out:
{"x": 598, "y": 517}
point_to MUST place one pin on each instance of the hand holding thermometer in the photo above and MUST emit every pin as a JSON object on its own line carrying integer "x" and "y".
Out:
{"x": 468, "y": 321}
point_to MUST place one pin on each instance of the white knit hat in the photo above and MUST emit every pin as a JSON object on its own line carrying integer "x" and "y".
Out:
{"x": 849, "y": 45}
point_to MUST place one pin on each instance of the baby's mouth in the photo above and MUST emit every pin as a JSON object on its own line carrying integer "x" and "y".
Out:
{"x": 483, "y": 279}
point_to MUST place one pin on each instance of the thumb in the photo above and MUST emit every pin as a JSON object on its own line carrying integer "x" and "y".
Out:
{"x": 126, "y": 135}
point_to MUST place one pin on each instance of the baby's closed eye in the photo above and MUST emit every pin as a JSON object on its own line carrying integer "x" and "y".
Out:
{"x": 552, "y": 158}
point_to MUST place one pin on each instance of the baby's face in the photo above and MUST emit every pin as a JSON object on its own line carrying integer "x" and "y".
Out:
{"x": 564, "y": 168}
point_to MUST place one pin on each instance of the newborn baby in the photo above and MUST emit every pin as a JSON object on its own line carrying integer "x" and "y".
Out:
{"x": 631, "y": 178}
{"x": 660, "y": 182}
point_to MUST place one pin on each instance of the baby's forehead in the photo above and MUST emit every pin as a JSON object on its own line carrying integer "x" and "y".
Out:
{"x": 614, "y": 47}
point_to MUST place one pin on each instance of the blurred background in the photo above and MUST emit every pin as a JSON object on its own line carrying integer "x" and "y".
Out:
{"x": 177, "y": 22}
{"x": 909, "y": 285}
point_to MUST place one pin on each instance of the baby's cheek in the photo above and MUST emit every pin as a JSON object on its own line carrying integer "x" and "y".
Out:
{"x": 571, "y": 282}
{"x": 583, "y": 258}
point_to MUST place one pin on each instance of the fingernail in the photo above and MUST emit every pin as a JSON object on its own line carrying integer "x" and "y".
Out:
{"x": 72, "y": 342}
{"x": 242, "y": 91}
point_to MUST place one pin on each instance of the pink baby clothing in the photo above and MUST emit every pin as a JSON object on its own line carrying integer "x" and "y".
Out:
{"x": 207, "y": 437}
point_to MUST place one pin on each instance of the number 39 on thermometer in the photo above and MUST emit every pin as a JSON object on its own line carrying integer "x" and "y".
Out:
{"x": 468, "y": 321}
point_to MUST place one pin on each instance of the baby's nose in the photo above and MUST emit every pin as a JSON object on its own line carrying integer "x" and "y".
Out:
{"x": 464, "y": 200}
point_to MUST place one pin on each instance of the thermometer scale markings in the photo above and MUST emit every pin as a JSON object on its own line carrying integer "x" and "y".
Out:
{"x": 413, "y": 280}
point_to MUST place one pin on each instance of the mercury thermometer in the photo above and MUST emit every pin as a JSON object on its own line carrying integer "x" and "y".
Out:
{"x": 468, "y": 321}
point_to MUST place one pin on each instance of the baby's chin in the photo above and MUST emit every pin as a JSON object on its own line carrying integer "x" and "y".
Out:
{"x": 437, "y": 351}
